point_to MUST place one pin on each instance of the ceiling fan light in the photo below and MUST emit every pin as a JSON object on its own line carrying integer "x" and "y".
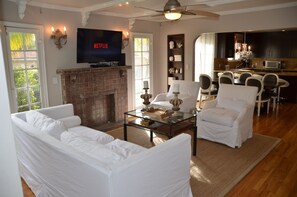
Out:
{"x": 172, "y": 15}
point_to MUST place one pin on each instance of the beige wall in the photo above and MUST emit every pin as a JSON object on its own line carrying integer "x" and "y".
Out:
{"x": 66, "y": 57}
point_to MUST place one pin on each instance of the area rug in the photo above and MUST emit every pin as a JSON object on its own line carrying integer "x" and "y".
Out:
{"x": 216, "y": 168}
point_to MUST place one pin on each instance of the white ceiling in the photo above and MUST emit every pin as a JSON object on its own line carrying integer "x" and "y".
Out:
{"x": 132, "y": 10}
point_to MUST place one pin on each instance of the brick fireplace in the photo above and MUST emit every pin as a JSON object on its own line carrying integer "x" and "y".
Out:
{"x": 99, "y": 95}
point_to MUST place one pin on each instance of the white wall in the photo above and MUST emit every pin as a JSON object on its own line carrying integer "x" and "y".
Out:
{"x": 10, "y": 183}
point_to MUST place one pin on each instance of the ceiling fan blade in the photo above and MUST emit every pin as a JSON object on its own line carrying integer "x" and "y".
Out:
{"x": 196, "y": 6}
{"x": 149, "y": 16}
{"x": 186, "y": 12}
{"x": 156, "y": 15}
{"x": 202, "y": 13}
{"x": 149, "y": 9}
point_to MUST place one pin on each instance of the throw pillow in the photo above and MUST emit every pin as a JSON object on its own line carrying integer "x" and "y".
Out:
{"x": 71, "y": 121}
{"x": 46, "y": 124}
{"x": 90, "y": 147}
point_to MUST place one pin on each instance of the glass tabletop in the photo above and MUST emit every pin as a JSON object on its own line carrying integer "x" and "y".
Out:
{"x": 159, "y": 115}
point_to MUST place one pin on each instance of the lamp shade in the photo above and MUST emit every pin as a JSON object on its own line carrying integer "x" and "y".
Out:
{"x": 172, "y": 15}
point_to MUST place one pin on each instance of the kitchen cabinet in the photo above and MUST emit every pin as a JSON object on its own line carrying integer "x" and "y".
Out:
{"x": 225, "y": 45}
{"x": 175, "y": 57}
{"x": 274, "y": 44}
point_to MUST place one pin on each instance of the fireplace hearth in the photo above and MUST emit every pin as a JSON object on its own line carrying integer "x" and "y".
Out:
{"x": 99, "y": 95}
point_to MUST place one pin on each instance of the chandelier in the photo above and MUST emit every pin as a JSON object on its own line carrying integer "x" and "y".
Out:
{"x": 243, "y": 51}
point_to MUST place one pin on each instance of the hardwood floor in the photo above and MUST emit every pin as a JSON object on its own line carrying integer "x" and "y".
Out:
{"x": 276, "y": 175}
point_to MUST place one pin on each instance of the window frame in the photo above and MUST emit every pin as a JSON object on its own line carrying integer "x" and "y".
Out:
{"x": 39, "y": 31}
{"x": 150, "y": 37}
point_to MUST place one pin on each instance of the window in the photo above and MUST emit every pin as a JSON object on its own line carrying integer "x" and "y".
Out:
{"x": 26, "y": 63}
{"x": 142, "y": 65}
{"x": 204, "y": 55}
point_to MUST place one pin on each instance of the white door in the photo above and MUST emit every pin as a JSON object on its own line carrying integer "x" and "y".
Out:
{"x": 27, "y": 69}
{"x": 142, "y": 65}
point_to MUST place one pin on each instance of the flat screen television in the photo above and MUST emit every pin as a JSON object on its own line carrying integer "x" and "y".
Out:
{"x": 96, "y": 46}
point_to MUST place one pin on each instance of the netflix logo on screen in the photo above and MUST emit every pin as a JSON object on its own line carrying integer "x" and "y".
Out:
{"x": 100, "y": 45}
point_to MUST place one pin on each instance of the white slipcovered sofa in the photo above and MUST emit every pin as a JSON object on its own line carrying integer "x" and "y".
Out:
{"x": 53, "y": 166}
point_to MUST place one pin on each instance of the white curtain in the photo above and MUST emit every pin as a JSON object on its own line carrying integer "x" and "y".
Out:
{"x": 204, "y": 55}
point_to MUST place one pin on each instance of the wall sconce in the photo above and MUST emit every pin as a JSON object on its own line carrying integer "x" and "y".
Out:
{"x": 59, "y": 38}
{"x": 125, "y": 40}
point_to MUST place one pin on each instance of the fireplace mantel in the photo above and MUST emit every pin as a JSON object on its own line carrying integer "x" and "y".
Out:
{"x": 99, "y": 95}
{"x": 88, "y": 69}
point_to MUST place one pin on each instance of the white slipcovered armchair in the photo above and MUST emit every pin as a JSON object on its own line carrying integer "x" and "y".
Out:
{"x": 188, "y": 92}
{"x": 228, "y": 119}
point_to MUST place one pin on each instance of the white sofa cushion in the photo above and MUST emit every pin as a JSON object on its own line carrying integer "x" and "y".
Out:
{"x": 92, "y": 134}
{"x": 91, "y": 147}
{"x": 232, "y": 104}
{"x": 71, "y": 121}
{"x": 46, "y": 124}
{"x": 219, "y": 116}
{"x": 124, "y": 148}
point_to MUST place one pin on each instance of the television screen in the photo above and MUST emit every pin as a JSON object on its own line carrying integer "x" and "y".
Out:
{"x": 95, "y": 46}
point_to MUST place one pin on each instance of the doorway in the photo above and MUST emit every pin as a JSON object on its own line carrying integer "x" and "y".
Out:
{"x": 204, "y": 55}
{"x": 142, "y": 65}
{"x": 26, "y": 67}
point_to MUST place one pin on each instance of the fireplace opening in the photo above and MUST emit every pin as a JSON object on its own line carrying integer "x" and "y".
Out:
{"x": 110, "y": 108}
{"x": 102, "y": 110}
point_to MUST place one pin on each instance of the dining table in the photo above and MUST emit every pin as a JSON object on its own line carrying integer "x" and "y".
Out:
{"x": 236, "y": 81}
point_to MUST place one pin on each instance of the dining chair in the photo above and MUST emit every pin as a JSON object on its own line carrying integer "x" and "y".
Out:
{"x": 270, "y": 81}
{"x": 226, "y": 79}
{"x": 229, "y": 73}
{"x": 206, "y": 88}
{"x": 284, "y": 84}
{"x": 257, "y": 76}
{"x": 262, "y": 96}
{"x": 243, "y": 76}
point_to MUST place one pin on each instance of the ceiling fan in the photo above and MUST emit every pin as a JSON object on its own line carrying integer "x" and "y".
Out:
{"x": 173, "y": 10}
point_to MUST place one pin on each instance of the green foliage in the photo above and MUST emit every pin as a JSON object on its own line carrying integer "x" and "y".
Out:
{"x": 26, "y": 79}
{"x": 22, "y": 41}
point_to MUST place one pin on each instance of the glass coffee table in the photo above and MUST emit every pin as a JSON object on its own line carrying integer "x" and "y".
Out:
{"x": 158, "y": 121}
